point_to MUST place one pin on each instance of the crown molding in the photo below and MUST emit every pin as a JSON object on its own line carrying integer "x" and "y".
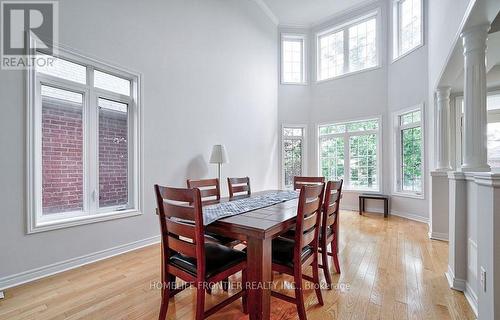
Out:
{"x": 269, "y": 13}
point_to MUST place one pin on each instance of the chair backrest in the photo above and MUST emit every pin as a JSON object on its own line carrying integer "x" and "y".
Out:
{"x": 238, "y": 185}
{"x": 181, "y": 215}
{"x": 331, "y": 204}
{"x": 209, "y": 188}
{"x": 298, "y": 182}
{"x": 308, "y": 218}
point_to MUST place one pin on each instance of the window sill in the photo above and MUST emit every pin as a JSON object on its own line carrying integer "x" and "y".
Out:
{"x": 293, "y": 83}
{"x": 407, "y": 53}
{"x": 409, "y": 195}
{"x": 42, "y": 226}
{"x": 348, "y": 74}
{"x": 360, "y": 191}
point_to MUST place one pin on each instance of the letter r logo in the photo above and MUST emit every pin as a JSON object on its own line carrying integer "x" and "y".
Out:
{"x": 22, "y": 18}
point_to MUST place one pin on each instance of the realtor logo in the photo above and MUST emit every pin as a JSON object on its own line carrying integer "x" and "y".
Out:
{"x": 26, "y": 26}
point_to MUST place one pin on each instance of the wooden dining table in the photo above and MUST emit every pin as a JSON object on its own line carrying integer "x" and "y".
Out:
{"x": 258, "y": 228}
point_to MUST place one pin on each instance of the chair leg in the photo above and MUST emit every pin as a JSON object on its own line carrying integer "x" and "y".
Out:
{"x": 165, "y": 295}
{"x": 200, "y": 301}
{"x": 299, "y": 295}
{"x": 325, "y": 266}
{"x": 244, "y": 298}
{"x": 335, "y": 250}
{"x": 317, "y": 284}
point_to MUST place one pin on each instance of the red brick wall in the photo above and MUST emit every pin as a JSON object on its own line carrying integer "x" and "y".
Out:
{"x": 62, "y": 152}
{"x": 62, "y": 169}
{"x": 113, "y": 158}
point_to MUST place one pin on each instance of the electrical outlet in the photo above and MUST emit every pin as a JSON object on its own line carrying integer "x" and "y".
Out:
{"x": 483, "y": 279}
{"x": 2, "y": 296}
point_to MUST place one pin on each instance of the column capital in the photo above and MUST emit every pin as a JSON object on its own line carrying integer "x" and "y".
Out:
{"x": 474, "y": 38}
{"x": 443, "y": 92}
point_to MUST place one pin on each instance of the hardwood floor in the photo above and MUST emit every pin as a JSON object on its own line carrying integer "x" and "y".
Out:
{"x": 390, "y": 270}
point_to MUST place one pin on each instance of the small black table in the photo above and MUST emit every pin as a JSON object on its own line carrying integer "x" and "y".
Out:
{"x": 383, "y": 197}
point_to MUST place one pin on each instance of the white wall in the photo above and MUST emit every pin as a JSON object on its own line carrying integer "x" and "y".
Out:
{"x": 209, "y": 76}
{"x": 380, "y": 92}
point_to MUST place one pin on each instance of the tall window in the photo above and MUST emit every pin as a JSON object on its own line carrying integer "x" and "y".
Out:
{"x": 292, "y": 59}
{"x": 83, "y": 142}
{"x": 348, "y": 48}
{"x": 409, "y": 149}
{"x": 293, "y": 154}
{"x": 350, "y": 151}
{"x": 408, "y": 26}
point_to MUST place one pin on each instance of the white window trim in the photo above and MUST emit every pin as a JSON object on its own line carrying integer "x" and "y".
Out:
{"x": 304, "y": 149}
{"x": 397, "y": 190}
{"x": 396, "y": 34}
{"x": 345, "y": 26}
{"x": 303, "y": 38}
{"x": 35, "y": 222}
{"x": 347, "y": 187}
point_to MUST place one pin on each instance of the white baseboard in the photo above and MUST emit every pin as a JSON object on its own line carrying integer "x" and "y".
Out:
{"x": 410, "y": 216}
{"x": 405, "y": 215}
{"x": 438, "y": 236}
{"x": 471, "y": 297}
{"x": 42, "y": 272}
{"x": 454, "y": 283}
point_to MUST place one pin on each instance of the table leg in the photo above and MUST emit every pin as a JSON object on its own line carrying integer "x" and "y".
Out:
{"x": 259, "y": 272}
{"x": 360, "y": 205}
{"x": 386, "y": 208}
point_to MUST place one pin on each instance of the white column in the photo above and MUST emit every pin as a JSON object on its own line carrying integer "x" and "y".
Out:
{"x": 457, "y": 233}
{"x": 474, "y": 148}
{"x": 443, "y": 132}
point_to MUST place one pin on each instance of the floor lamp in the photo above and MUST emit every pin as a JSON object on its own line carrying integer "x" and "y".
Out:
{"x": 219, "y": 156}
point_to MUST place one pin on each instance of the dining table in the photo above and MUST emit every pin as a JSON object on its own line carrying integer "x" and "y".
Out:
{"x": 258, "y": 228}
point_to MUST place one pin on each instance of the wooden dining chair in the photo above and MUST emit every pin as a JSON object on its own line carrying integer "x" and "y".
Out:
{"x": 298, "y": 182}
{"x": 290, "y": 256}
{"x": 209, "y": 189}
{"x": 330, "y": 228}
{"x": 186, "y": 255}
{"x": 210, "y": 194}
{"x": 238, "y": 186}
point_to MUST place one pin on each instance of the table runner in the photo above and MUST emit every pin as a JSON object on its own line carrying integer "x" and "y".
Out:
{"x": 218, "y": 211}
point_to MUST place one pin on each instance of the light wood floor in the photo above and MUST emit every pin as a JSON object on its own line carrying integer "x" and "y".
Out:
{"x": 391, "y": 267}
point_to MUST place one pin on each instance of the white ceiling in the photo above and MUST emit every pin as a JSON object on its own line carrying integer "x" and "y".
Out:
{"x": 308, "y": 12}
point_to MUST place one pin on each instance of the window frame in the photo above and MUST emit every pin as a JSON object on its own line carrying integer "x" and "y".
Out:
{"x": 346, "y": 135}
{"x": 398, "y": 167}
{"x": 294, "y": 36}
{"x": 304, "y": 149}
{"x": 91, "y": 213}
{"x": 345, "y": 27}
{"x": 396, "y": 31}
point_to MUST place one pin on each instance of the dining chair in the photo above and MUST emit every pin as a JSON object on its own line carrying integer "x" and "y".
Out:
{"x": 298, "y": 182}
{"x": 186, "y": 254}
{"x": 290, "y": 256}
{"x": 238, "y": 186}
{"x": 209, "y": 189}
{"x": 210, "y": 194}
{"x": 330, "y": 228}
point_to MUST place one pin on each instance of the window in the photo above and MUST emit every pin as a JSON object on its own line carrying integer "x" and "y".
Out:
{"x": 84, "y": 125}
{"x": 348, "y": 48}
{"x": 292, "y": 154}
{"x": 493, "y": 129}
{"x": 407, "y": 25}
{"x": 292, "y": 59}
{"x": 350, "y": 151}
{"x": 409, "y": 152}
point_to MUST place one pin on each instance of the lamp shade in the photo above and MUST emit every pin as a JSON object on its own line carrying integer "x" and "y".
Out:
{"x": 219, "y": 154}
